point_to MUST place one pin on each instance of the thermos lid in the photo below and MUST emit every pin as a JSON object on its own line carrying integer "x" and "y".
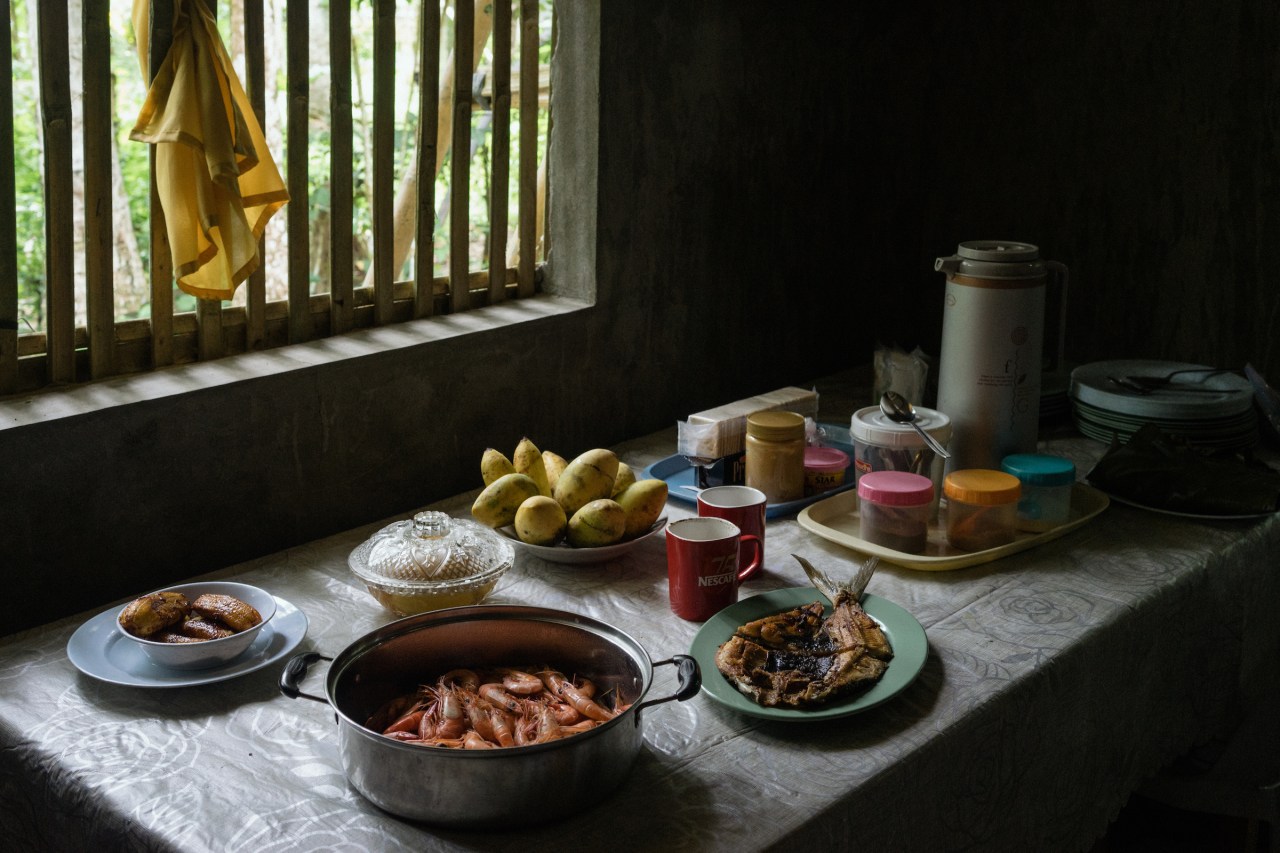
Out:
{"x": 1005, "y": 259}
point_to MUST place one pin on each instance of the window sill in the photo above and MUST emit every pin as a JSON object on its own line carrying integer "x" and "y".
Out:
{"x": 53, "y": 404}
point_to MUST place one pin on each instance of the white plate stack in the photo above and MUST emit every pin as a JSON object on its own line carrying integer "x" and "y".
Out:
{"x": 1055, "y": 405}
{"x": 1211, "y": 410}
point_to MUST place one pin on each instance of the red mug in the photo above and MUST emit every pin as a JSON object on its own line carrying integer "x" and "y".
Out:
{"x": 702, "y": 565}
{"x": 742, "y": 505}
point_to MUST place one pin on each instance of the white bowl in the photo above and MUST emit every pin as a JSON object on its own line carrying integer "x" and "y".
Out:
{"x": 563, "y": 552}
{"x": 207, "y": 653}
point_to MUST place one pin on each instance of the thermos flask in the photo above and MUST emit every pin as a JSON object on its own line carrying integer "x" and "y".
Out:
{"x": 993, "y": 347}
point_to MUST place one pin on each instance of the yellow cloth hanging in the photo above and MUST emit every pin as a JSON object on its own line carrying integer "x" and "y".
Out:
{"x": 217, "y": 182}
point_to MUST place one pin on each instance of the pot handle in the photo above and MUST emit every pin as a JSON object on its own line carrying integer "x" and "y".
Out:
{"x": 690, "y": 682}
{"x": 295, "y": 671}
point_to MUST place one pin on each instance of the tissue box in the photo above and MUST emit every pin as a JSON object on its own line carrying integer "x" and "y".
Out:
{"x": 726, "y": 426}
{"x": 726, "y": 471}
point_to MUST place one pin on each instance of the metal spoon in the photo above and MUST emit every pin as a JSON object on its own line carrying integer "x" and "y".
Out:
{"x": 896, "y": 408}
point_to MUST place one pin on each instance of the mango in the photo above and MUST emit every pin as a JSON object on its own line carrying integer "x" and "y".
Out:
{"x": 493, "y": 464}
{"x": 625, "y": 477}
{"x": 587, "y": 478}
{"x": 596, "y": 523}
{"x": 642, "y": 501}
{"x": 554, "y": 463}
{"x": 540, "y": 521}
{"x": 528, "y": 460}
{"x": 496, "y": 506}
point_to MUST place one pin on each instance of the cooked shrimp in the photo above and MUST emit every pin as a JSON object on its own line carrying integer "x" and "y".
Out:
{"x": 408, "y": 723}
{"x": 502, "y": 726}
{"x": 409, "y": 737}
{"x": 464, "y": 678}
{"x": 547, "y": 727}
{"x": 519, "y": 682}
{"x": 562, "y": 687}
{"x": 494, "y": 694}
{"x": 473, "y": 740}
{"x": 452, "y": 720}
{"x": 564, "y": 713}
{"x": 478, "y": 716}
{"x": 495, "y": 706}
{"x": 578, "y": 728}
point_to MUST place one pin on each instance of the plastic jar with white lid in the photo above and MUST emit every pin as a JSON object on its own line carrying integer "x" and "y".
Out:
{"x": 880, "y": 444}
{"x": 982, "y": 508}
{"x": 894, "y": 508}
{"x": 1046, "y": 489}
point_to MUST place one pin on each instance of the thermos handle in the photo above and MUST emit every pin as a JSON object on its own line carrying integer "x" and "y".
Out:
{"x": 1055, "y": 316}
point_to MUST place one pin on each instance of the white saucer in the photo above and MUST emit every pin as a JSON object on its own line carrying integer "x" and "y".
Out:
{"x": 98, "y": 650}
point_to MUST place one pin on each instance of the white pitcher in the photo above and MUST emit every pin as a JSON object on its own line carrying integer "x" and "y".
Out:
{"x": 994, "y": 347}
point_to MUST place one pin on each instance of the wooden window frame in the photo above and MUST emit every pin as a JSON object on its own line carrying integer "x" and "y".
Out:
{"x": 67, "y": 354}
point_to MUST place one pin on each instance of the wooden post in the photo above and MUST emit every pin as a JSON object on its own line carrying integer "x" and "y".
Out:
{"x": 460, "y": 161}
{"x": 384, "y": 72}
{"x": 55, "y": 99}
{"x": 8, "y": 219}
{"x": 341, "y": 264}
{"x": 527, "y": 225}
{"x": 500, "y": 151}
{"x": 298, "y": 41}
{"x": 428, "y": 127}
{"x": 255, "y": 300}
{"x": 161, "y": 256}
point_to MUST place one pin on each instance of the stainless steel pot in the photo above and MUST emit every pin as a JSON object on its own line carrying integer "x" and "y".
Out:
{"x": 486, "y": 788}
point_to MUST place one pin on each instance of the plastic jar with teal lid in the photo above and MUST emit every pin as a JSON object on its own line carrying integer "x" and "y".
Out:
{"x": 1046, "y": 489}
{"x": 982, "y": 508}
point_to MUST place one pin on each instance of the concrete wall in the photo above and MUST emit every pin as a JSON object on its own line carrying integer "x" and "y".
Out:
{"x": 772, "y": 185}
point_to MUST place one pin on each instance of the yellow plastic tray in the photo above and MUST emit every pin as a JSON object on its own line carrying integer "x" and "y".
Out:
{"x": 836, "y": 519}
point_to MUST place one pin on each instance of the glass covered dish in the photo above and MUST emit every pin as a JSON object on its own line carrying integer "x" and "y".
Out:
{"x": 431, "y": 562}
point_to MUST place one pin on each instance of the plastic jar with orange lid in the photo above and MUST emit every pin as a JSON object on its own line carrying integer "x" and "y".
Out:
{"x": 982, "y": 508}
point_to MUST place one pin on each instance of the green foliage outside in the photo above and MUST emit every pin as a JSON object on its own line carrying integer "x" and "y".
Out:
{"x": 133, "y": 157}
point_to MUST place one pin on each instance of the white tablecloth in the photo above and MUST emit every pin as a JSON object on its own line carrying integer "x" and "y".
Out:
{"x": 1057, "y": 679}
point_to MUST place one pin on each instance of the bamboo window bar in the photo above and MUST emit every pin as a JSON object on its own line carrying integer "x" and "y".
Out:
{"x": 485, "y": 77}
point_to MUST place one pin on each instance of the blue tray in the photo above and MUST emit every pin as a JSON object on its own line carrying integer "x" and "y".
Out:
{"x": 681, "y": 479}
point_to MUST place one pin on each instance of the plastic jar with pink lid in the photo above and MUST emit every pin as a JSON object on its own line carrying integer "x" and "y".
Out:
{"x": 895, "y": 508}
{"x": 824, "y": 469}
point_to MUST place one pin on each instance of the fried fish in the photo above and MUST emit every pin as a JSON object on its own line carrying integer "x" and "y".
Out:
{"x": 798, "y": 659}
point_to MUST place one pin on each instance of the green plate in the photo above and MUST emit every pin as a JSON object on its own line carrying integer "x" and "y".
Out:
{"x": 910, "y": 648}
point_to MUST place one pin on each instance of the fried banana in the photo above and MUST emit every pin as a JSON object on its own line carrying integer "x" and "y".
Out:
{"x": 199, "y": 627}
{"x": 154, "y": 612}
{"x": 173, "y": 637}
{"x": 230, "y": 611}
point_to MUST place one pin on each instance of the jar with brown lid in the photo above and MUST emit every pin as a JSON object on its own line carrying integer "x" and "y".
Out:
{"x": 775, "y": 455}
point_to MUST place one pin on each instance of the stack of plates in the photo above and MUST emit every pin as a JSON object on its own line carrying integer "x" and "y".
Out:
{"x": 1217, "y": 414}
{"x": 1055, "y": 405}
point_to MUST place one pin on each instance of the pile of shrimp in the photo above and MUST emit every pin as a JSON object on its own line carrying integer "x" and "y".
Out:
{"x": 498, "y": 707}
